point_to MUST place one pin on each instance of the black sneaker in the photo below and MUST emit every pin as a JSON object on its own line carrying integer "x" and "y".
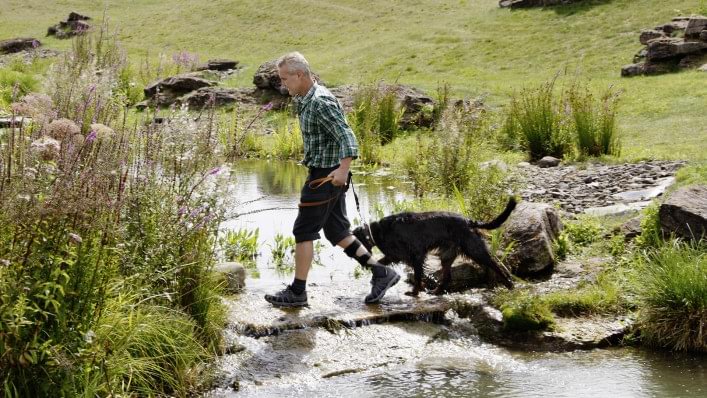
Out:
{"x": 381, "y": 285}
{"x": 287, "y": 298}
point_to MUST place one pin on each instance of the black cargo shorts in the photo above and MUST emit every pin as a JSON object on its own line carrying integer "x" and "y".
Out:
{"x": 330, "y": 215}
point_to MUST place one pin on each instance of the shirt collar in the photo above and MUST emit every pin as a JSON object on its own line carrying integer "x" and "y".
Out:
{"x": 307, "y": 97}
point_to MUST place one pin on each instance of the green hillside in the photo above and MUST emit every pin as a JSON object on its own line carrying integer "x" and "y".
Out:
{"x": 475, "y": 46}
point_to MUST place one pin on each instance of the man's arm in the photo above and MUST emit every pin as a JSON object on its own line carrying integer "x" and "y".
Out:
{"x": 336, "y": 126}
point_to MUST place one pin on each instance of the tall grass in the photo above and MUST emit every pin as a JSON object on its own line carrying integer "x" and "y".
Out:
{"x": 91, "y": 212}
{"x": 544, "y": 122}
{"x": 288, "y": 142}
{"x": 375, "y": 119}
{"x": 449, "y": 164}
{"x": 671, "y": 284}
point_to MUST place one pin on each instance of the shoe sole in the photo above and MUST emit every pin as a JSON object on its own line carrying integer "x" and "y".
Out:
{"x": 390, "y": 284}
{"x": 289, "y": 305}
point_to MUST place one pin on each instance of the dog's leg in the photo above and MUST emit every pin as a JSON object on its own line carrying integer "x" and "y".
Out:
{"x": 446, "y": 259}
{"x": 386, "y": 260}
{"x": 478, "y": 251}
{"x": 418, "y": 269}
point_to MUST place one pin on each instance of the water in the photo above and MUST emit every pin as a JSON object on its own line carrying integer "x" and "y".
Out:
{"x": 276, "y": 185}
{"x": 410, "y": 359}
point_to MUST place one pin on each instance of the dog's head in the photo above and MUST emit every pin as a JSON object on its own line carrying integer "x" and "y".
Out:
{"x": 364, "y": 235}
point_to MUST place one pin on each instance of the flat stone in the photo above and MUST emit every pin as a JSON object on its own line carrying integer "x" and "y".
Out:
{"x": 684, "y": 213}
{"x": 339, "y": 303}
{"x": 646, "y": 194}
{"x": 617, "y": 209}
{"x": 548, "y": 161}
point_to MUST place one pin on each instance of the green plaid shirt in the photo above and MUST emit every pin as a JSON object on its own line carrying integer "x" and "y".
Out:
{"x": 327, "y": 137}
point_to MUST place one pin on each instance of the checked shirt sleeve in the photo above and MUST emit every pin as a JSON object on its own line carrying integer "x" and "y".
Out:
{"x": 335, "y": 124}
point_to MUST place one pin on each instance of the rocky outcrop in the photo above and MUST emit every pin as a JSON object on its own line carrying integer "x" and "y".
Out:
{"x": 684, "y": 213}
{"x": 74, "y": 25}
{"x": 18, "y": 44}
{"x": 167, "y": 91}
{"x": 531, "y": 229}
{"x": 533, "y": 3}
{"x": 680, "y": 44}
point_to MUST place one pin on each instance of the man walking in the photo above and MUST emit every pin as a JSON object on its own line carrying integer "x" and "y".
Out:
{"x": 329, "y": 148}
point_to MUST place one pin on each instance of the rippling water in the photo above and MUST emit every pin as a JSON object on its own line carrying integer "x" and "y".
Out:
{"x": 414, "y": 364}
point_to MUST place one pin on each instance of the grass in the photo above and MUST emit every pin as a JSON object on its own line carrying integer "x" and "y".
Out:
{"x": 422, "y": 43}
{"x": 671, "y": 284}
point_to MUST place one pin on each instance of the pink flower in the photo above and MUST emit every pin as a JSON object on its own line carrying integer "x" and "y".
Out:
{"x": 267, "y": 106}
{"x": 213, "y": 171}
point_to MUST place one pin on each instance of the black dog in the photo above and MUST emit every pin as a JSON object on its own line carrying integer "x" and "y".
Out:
{"x": 408, "y": 237}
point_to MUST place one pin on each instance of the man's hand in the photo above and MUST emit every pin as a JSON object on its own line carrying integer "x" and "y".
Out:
{"x": 341, "y": 174}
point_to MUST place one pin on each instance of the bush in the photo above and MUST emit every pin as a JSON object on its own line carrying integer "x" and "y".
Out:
{"x": 594, "y": 124}
{"x": 288, "y": 138}
{"x": 671, "y": 284}
{"x": 241, "y": 245}
{"x": 524, "y": 312}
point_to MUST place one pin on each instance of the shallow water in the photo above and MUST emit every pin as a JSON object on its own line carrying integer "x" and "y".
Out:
{"x": 414, "y": 358}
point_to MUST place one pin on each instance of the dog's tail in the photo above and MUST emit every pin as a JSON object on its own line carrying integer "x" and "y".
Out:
{"x": 500, "y": 219}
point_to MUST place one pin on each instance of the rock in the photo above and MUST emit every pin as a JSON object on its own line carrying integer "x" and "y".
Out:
{"x": 234, "y": 274}
{"x": 703, "y": 35}
{"x": 7, "y": 122}
{"x": 75, "y": 16}
{"x": 465, "y": 275}
{"x": 695, "y": 27}
{"x": 631, "y": 228}
{"x": 648, "y": 35}
{"x": 684, "y": 213}
{"x": 418, "y": 106}
{"x": 74, "y": 25}
{"x": 19, "y": 44}
{"x": 692, "y": 61}
{"x": 678, "y": 24}
{"x": 167, "y": 91}
{"x": 495, "y": 163}
{"x": 532, "y": 227}
{"x": 219, "y": 64}
{"x": 532, "y": 3}
{"x": 548, "y": 161}
{"x": 218, "y": 96}
{"x": 702, "y": 68}
{"x": 266, "y": 77}
{"x": 646, "y": 68}
{"x": 671, "y": 47}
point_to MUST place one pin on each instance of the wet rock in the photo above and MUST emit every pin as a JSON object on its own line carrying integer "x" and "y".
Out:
{"x": 465, "y": 275}
{"x": 531, "y": 229}
{"x": 19, "y": 44}
{"x": 166, "y": 91}
{"x": 684, "y": 213}
{"x": 234, "y": 275}
{"x": 548, "y": 161}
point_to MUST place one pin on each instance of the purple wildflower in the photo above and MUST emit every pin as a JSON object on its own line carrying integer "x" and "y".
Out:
{"x": 267, "y": 106}
{"x": 91, "y": 136}
{"x": 215, "y": 170}
{"x": 182, "y": 210}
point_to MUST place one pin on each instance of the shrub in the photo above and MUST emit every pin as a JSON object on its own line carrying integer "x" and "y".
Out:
{"x": 240, "y": 245}
{"x": 594, "y": 124}
{"x": 671, "y": 283}
{"x": 375, "y": 119}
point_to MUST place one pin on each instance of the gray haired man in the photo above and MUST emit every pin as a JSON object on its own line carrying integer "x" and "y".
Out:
{"x": 329, "y": 148}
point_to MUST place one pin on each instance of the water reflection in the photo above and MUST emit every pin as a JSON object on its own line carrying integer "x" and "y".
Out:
{"x": 276, "y": 186}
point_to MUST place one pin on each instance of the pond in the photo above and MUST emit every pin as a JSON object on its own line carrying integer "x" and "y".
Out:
{"x": 404, "y": 359}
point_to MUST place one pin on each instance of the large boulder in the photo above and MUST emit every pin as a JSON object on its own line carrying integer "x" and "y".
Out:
{"x": 531, "y": 229}
{"x": 651, "y": 34}
{"x": 684, "y": 213}
{"x": 19, "y": 44}
{"x": 167, "y": 91}
{"x": 671, "y": 47}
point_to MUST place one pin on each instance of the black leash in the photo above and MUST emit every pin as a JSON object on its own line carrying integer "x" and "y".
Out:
{"x": 366, "y": 226}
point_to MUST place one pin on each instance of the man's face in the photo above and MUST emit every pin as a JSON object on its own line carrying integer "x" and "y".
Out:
{"x": 292, "y": 81}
